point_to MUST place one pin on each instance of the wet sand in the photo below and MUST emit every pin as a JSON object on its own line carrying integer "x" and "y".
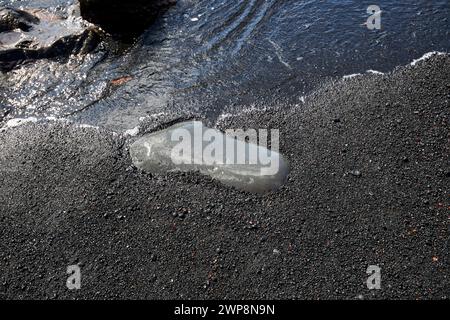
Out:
{"x": 369, "y": 185}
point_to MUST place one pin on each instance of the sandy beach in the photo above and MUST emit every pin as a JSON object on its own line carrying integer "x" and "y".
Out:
{"x": 369, "y": 185}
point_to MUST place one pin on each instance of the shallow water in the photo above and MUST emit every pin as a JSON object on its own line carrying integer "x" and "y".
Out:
{"x": 213, "y": 57}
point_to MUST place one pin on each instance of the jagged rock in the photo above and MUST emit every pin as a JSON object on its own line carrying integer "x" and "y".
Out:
{"x": 36, "y": 34}
{"x": 11, "y": 19}
{"x": 123, "y": 18}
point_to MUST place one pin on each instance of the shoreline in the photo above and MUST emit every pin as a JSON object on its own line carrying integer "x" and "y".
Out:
{"x": 135, "y": 131}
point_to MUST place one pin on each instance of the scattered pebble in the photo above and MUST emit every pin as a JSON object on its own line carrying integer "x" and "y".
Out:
{"x": 355, "y": 173}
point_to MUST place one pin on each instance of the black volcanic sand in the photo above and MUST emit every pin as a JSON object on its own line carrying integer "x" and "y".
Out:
{"x": 369, "y": 186}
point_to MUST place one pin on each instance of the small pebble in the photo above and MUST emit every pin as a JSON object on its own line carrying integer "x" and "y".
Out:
{"x": 355, "y": 173}
{"x": 336, "y": 120}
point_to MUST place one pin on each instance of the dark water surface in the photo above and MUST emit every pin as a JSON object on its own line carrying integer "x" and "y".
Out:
{"x": 212, "y": 57}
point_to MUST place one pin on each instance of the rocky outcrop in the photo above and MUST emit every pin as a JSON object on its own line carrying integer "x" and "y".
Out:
{"x": 37, "y": 34}
{"x": 16, "y": 19}
{"x": 27, "y": 35}
{"x": 123, "y": 18}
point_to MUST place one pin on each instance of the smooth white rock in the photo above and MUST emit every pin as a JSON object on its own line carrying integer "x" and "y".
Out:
{"x": 174, "y": 149}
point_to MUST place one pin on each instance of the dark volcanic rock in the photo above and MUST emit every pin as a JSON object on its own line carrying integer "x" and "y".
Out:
{"x": 123, "y": 18}
{"x": 38, "y": 34}
{"x": 11, "y": 19}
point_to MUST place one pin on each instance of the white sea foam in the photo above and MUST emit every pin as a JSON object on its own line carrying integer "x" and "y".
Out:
{"x": 16, "y": 122}
{"x": 426, "y": 56}
{"x": 89, "y": 126}
{"x": 19, "y": 121}
{"x": 374, "y": 72}
{"x": 132, "y": 132}
{"x": 350, "y": 76}
{"x": 136, "y": 130}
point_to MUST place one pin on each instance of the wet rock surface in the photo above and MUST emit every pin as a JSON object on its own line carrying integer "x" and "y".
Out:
{"x": 11, "y": 19}
{"x": 70, "y": 195}
{"x": 37, "y": 34}
{"x": 123, "y": 18}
